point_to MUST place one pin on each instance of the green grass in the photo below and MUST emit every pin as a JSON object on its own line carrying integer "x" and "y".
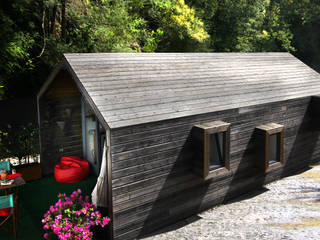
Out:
{"x": 35, "y": 199}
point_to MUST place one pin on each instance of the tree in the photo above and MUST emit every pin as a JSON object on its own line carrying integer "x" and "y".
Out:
{"x": 303, "y": 19}
{"x": 15, "y": 47}
{"x": 177, "y": 26}
{"x": 244, "y": 25}
{"x": 35, "y": 33}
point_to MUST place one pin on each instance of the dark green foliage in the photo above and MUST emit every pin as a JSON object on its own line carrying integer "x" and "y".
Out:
{"x": 245, "y": 25}
{"x": 21, "y": 142}
{"x": 303, "y": 17}
{"x": 35, "y": 33}
{"x": 4, "y": 150}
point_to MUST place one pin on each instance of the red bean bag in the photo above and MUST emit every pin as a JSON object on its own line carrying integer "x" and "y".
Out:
{"x": 71, "y": 169}
{"x": 83, "y": 163}
{"x": 68, "y": 172}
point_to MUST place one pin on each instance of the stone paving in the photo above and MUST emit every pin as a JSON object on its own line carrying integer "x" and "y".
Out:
{"x": 285, "y": 209}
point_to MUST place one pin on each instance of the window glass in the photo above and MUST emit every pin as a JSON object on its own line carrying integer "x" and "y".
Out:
{"x": 217, "y": 158}
{"x": 274, "y": 148}
{"x": 91, "y": 141}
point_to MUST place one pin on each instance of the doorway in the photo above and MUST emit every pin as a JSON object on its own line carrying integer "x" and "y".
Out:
{"x": 93, "y": 136}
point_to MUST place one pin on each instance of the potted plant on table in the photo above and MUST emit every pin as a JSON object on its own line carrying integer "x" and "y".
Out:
{"x": 72, "y": 217}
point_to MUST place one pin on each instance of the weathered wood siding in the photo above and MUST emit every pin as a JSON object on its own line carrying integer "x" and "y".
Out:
{"x": 61, "y": 104}
{"x": 153, "y": 183}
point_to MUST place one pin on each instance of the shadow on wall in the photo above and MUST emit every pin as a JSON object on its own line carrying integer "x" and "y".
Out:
{"x": 301, "y": 149}
{"x": 299, "y": 152}
{"x": 176, "y": 199}
{"x": 60, "y": 130}
{"x": 249, "y": 174}
{"x": 197, "y": 195}
{"x": 307, "y": 154}
{"x": 179, "y": 199}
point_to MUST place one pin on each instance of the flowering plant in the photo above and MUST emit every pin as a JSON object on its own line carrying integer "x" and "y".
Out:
{"x": 71, "y": 218}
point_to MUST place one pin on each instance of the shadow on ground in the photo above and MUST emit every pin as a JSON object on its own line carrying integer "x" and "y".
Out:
{"x": 175, "y": 226}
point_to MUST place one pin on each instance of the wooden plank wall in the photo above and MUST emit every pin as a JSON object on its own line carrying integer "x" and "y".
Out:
{"x": 61, "y": 103}
{"x": 153, "y": 183}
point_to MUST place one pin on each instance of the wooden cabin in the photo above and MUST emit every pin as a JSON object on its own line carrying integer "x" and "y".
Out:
{"x": 185, "y": 131}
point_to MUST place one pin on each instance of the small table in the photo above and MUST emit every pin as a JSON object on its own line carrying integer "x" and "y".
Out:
{"x": 19, "y": 181}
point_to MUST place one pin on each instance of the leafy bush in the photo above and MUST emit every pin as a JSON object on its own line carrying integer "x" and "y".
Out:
{"x": 21, "y": 142}
{"x": 4, "y": 150}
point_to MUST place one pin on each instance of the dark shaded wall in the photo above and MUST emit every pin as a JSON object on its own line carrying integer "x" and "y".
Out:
{"x": 60, "y": 122}
{"x": 153, "y": 183}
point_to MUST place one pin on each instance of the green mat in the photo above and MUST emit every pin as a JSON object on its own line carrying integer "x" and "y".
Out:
{"x": 35, "y": 199}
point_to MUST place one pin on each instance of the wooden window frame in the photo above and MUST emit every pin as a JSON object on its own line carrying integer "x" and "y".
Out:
{"x": 203, "y": 133}
{"x": 265, "y": 131}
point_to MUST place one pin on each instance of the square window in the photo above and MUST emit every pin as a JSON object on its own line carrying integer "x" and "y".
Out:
{"x": 212, "y": 149}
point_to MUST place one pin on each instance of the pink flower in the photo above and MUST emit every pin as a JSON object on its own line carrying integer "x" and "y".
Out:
{"x": 71, "y": 217}
{"x": 46, "y": 226}
{"x": 67, "y": 235}
{"x": 105, "y": 221}
{"x": 46, "y": 235}
{"x": 52, "y": 209}
{"x": 69, "y": 225}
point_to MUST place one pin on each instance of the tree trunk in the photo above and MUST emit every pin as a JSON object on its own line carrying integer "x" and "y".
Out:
{"x": 53, "y": 19}
{"x": 46, "y": 20}
{"x": 63, "y": 19}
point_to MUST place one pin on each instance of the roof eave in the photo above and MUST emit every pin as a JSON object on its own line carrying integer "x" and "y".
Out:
{"x": 64, "y": 65}
{"x": 49, "y": 80}
{"x": 85, "y": 93}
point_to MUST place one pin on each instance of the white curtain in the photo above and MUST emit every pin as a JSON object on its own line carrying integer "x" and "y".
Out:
{"x": 99, "y": 194}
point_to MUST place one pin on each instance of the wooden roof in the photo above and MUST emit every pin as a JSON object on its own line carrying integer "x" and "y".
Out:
{"x": 129, "y": 89}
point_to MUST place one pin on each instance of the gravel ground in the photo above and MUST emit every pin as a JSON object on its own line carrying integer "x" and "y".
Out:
{"x": 285, "y": 209}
